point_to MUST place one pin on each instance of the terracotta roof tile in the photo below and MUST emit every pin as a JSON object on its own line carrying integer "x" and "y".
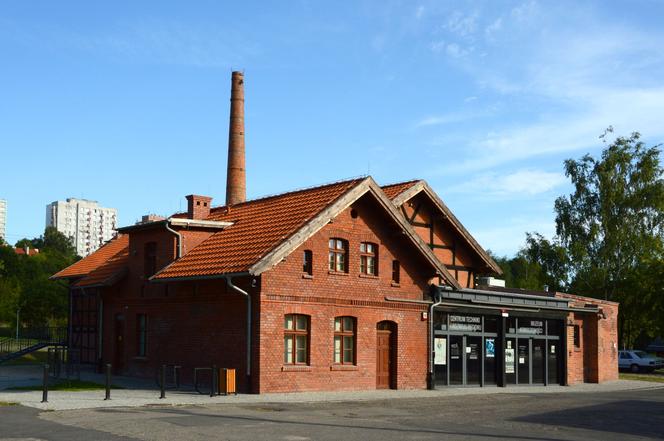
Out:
{"x": 94, "y": 260}
{"x": 394, "y": 190}
{"x": 108, "y": 272}
{"x": 259, "y": 226}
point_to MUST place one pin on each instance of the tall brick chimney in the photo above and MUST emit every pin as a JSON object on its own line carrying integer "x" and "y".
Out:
{"x": 236, "y": 190}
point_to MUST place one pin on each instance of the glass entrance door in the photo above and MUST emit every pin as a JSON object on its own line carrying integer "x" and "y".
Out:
{"x": 552, "y": 354}
{"x": 473, "y": 360}
{"x": 510, "y": 360}
{"x": 523, "y": 361}
{"x": 490, "y": 361}
{"x": 538, "y": 360}
{"x": 456, "y": 360}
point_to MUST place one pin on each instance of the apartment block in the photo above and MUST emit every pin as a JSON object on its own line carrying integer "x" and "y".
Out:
{"x": 89, "y": 224}
{"x": 3, "y": 219}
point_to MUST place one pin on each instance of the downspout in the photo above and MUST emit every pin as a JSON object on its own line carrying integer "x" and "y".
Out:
{"x": 178, "y": 236}
{"x": 229, "y": 282}
{"x": 437, "y": 302}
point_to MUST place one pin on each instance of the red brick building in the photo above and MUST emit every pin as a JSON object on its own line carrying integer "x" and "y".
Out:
{"x": 345, "y": 286}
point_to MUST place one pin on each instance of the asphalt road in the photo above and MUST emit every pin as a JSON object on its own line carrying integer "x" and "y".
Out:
{"x": 565, "y": 416}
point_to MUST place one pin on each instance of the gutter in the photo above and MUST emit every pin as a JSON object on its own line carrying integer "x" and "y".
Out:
{"x": 178, "y": 253}
{"x": 437, "y": 302}
{"x": 229, "y": 282}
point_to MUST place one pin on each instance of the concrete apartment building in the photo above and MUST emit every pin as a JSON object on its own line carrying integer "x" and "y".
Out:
{"x": 344, "y": 286}
{"x": 85, "y": 221}
{"x": 3, "y": 219}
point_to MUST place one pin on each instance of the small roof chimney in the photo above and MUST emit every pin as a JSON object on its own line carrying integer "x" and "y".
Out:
{"x": 235, "y": 177}
{"x": 198, "y": 207}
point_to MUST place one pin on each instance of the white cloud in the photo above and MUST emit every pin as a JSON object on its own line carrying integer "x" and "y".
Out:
{"x": 526, "y": 182}
{"x": 461, "y": 24}
{"x": 493, "y": 28}
{"x": 453, "y": 50}
{"x": 525, "y": 12}
{"x": 450, "y": 118}
{"x": 419, "y": 12}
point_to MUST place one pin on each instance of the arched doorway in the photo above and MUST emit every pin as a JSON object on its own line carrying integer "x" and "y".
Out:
{"x": 386, "y": 335}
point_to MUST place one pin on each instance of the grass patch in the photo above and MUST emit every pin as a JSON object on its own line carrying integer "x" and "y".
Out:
{"x": 7, "y": 403}
{"x": 643, "y": 377}
{"x": 68, "y": 386}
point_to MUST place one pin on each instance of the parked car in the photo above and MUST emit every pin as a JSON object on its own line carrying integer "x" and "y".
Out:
{"x": 639, "y": 361}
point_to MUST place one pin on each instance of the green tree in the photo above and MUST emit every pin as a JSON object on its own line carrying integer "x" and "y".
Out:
{"x": 24, "y": 280}
{"x": 613, "y": 220}
{"x": 609, "y": 234}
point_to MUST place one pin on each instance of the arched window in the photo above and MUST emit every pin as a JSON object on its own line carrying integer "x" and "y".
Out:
{"x": 369, "y": 258}
{"x": 338, "y": 260}
{"x": 344, "y": 340}
{"x": 296, "y": 339}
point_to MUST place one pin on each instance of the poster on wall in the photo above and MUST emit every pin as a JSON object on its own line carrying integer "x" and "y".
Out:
{"x": 509, "y": 361}
{"x": 440, "y": 351}
{"x": 473, "y": 354}
{"x": 490, "y": 347}
{"x": 455, "y": 351}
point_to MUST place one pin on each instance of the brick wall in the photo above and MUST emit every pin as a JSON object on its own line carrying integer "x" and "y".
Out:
{"x": 597, "y": 359}
{"x": 191, "y": 324}
{"x": 326, "y": 295}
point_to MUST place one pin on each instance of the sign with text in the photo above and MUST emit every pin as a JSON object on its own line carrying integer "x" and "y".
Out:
{"x": 532, "y": 327}
{"x": 465, "y": 323}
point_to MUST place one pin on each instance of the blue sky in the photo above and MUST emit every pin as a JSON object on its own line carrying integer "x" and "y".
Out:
{"x": 127, "y": 102}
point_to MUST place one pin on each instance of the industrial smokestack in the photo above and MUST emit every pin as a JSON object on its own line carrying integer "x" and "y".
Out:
{"x": 236, "y": 190}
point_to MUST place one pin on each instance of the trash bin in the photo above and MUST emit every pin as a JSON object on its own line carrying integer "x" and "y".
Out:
{"x": 227, "y": 381}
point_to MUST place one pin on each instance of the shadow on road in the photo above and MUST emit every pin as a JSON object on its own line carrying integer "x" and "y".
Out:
{"x": 629, "y": 417}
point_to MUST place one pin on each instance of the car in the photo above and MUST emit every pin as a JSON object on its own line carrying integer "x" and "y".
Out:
{"x": 637, "y": 361}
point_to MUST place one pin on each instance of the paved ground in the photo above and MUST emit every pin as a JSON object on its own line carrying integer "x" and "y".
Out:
{"x": 148, "y": 395}
{"x": 562, "y": 415}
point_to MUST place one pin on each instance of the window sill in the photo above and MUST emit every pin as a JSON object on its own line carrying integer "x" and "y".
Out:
{"x": 307, "y": 276}
{"x": 343, "y": 367}
{"x": 395, "y": 284}
{"x": 337, "y": 273}
{"x": 367, "y": 276}
{"x": 296, "y": 368}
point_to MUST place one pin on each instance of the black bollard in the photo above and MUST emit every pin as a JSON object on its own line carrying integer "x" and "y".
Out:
{"x": 213, "y": 381}
{"x": 108, "y": 382}
{"x": 163, "y": 382}
{"x": 45, "y": 385}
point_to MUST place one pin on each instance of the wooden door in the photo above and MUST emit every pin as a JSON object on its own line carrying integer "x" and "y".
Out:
{"x": 383, "y": 360}
{"x": 118, "y": 358}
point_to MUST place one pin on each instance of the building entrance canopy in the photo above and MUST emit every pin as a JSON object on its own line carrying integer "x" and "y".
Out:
{"x": 482, "y": 338}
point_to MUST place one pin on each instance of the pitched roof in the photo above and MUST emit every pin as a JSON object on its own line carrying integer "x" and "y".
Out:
{"x": 393, "y": 190}
{"x": 258, "y": 226}
{"x": 108, "y": 272}
{"x": 266, "y": 230}
{"x": 94, "y": 260}
{"x": 411, "y": 188}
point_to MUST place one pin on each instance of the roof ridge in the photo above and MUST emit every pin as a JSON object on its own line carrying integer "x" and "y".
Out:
{"x": 298, "y": 190}
{"x": 394, "y": 184}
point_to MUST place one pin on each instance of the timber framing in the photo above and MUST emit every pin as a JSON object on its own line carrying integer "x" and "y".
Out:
{"x": 422, "y": 186}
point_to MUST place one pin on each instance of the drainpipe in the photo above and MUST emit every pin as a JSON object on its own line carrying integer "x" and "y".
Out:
{"x": 229, "y": 282}
{"x": 437, "y": 302}
{"x": 178, "y": 253}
